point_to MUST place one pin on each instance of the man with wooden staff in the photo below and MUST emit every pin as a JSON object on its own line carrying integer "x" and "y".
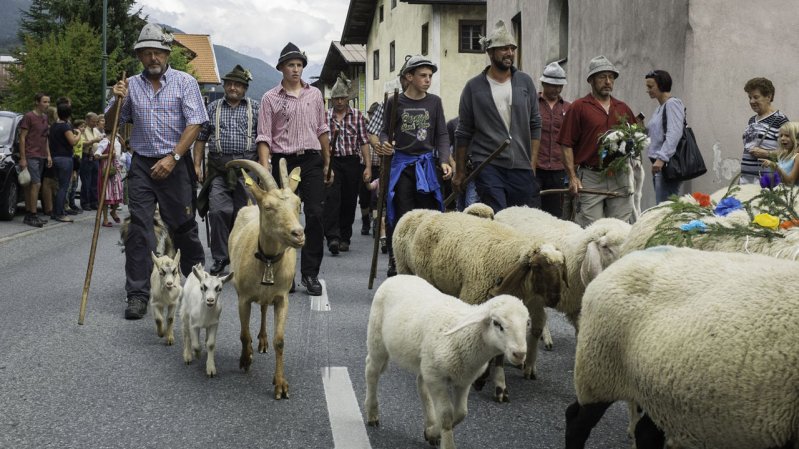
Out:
{"x": 499, "y": 103}
{"x": 167, "y": 112}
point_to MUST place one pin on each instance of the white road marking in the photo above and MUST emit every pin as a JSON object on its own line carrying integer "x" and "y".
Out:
{"x": 346, "y": 423}
{"x": 320, "y": 303}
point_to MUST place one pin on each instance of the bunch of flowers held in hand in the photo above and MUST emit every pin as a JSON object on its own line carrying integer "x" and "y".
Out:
{"x": 621, "y": 144}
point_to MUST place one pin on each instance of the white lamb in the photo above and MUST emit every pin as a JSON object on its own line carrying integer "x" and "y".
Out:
{"x": 165, "y": 291}
{"x": 200, "y": 309}
{"x": 705, "y": 342}
{"x": 445, "y": 341}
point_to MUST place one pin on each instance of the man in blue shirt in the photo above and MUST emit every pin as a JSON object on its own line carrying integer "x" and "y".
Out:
{"x": 167, "y": 112}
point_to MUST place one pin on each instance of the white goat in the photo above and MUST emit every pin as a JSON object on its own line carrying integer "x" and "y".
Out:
{"x": 262, "y": 249}
{"x": 165, "y": 293}
{"x": 445, "y": 341}
{"x": 200, "y": 309}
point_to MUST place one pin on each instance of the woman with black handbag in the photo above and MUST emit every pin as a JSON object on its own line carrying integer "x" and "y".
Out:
{"x": 664, "y": 141}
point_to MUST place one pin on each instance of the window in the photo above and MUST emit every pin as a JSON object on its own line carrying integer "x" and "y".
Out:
{"x": 517, "y": 34}
{"x": 380, "y": 13}
{"x": 391, "y": 54}
{"x": 470, "y": 32}
{"x": 376, "y": 65}
{"x": 425, "y": 34}
{"x": 393, "y": 4}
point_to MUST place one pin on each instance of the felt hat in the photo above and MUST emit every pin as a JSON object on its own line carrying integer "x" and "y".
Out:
{"x": 554, "y": 74}
{"x": 239, "y": 74}
{"x": 499, "y": 37}
{"x": 341, "y": 88}
{"x": 416, "y": 61}
{"x": 601, "y": 64}
{"x": 291, "y": 51}
{"x": 153, "y": 36}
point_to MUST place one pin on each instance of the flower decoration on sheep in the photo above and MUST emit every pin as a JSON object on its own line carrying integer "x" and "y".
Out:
{"x": 620, "y": 145}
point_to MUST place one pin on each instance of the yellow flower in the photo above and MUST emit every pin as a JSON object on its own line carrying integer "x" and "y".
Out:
{"x": 767, "y": 221}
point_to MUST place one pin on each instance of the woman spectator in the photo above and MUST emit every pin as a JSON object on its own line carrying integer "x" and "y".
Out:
{"x": 663, "y": 141}
{"x": 785, "y": 163}
{"x": 760, "y": 135}
{"x": 62, "y": 138}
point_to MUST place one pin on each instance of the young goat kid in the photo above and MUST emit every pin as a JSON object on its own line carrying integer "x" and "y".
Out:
{"x": 165, "y": 291}
{"x": 200, "y": 309}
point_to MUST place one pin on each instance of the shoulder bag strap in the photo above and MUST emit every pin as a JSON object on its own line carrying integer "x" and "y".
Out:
{"x": 216, "y": 126}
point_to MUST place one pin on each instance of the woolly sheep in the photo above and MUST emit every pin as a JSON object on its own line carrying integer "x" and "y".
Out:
{"x": 707, "y": 347}
{"x": 474, "y": 259}
{"x": 200, "y": 308}
{"x": 165, "y": 291}
{"x": 586, "y": 251}
{"x": 445, "y": 341}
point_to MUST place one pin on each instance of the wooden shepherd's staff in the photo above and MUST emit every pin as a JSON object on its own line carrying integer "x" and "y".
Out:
{"x": 90, "y": 268}
{"x": 385, "y": 170}
{"x": 477, "y": 170}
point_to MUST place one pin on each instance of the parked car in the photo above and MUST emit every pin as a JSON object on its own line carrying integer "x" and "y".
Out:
{"x": 10, "y": 190}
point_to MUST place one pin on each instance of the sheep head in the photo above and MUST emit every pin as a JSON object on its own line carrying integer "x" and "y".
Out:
{"x": 279, "y": 208}
{"x": 210, "y": 286}
{"x": 603, "y": 242}
{"x": 539, "y": 273}
{"x": 168, "y": 269}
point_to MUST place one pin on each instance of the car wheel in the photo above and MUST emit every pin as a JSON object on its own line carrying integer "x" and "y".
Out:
{"x": 8, "y": 201}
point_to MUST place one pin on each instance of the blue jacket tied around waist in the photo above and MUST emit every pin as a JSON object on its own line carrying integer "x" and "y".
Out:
{"x": 426, "y": 179}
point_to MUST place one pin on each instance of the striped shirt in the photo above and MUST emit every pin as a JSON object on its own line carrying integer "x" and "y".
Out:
{"x": 289, "y": 124}
{"x": 761, "y": 133}
{"x": 350, "y": 132}
{"x": 159, "y": 118}
{"x": 233, "y": 132}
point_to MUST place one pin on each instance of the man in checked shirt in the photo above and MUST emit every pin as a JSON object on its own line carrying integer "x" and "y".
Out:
{"x": 230, "y": 134}
{"x": 292, "y": 125}
{"x": 167, "y": 112}
{"x": 348, "y": 130}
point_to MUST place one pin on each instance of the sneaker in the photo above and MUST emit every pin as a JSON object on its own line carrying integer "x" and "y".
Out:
{"x": 344, "y": 246}
{"x": 333, "y": 246}
{"x": 64, "y": 219}
{"x": 312, "y": 285}
{"x": 31, "y": 220}
{"x": 218, "y": 266}
{"x": 43, "y": 218}
{"x": 136, "y": 309}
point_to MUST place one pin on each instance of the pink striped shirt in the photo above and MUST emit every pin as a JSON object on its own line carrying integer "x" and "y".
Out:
{"x": 289, "y": 124}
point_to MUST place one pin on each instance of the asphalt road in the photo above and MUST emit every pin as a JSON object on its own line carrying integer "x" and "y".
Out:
{"x": 112, "y": 383}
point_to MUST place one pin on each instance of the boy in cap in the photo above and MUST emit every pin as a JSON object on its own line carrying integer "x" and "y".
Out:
{"x": 550, "y": 173}
{"x": 587, "y": 119}
{"x": 497, "y": 104}
{"x": 230, "y": 134}
{"x": 167, "y": 111}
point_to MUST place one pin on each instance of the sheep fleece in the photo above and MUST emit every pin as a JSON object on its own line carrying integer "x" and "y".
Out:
{"x": 706, "y": 342}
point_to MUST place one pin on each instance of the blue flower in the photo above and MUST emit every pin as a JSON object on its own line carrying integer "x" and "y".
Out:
{"x": 770, "y": 180}
{"x": 694, "y": 225}
{"x": 727, "y": 205}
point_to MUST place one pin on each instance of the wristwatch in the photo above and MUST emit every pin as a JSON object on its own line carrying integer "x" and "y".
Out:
{"x": 176, "y": 156}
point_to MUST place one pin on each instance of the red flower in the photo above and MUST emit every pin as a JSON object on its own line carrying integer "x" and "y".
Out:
{"x": 789, "y": 224}
{"x": 702, "y": 198}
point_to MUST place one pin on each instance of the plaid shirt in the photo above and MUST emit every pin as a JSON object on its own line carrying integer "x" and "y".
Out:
{"x": 351, "y": 132}
{"x": 376, "y": 121}
{"x": 289, "y": 124}
{"x": 233, "y": 130}
{"x": 159, "y": 118}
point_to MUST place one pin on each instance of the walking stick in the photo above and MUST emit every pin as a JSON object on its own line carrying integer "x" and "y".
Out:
{"x": 205, "y": 218}
{"x": 588, "y": 191}
{"x": 385, "y": 170}
{"x": 477, "y": 170}
{"x": 101, "y": 200}
{"x": 332, "y": 150}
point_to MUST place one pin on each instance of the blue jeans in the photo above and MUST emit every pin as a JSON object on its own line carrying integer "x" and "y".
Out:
{"x": 63, "y": 167}
{"x": 467, "y": 198}
{"x": 502, "y": 187}
{"x": 663, "y": 188}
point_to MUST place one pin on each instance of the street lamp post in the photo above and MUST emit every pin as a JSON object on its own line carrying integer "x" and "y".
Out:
{"x": 105, "y": 54}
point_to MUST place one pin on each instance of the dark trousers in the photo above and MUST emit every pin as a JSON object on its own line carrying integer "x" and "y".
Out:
{"x": 63, "y": 168}
{"x": 88, "y": 182}
{"x": 501, "y": 188}
{"x": 223, "y": 206}
{"x": 175, "y": 199}
{"x": 406, "y": 199}
{"x": 341, "y": 198}
{"x": 551, "y": 179}
{"x": 312, "y": 193}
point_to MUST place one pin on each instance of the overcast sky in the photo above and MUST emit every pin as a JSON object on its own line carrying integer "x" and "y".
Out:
{"x": 258, "y": 28}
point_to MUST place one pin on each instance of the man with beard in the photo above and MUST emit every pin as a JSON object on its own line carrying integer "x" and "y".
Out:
{"x": 589, "y": 118}
{"x": 292, "y": 125}
{"x": 349, "y": 147}
{"x": 230, "y": 134}
{"x": 167, "y": 112}
{"x": 498, "y": 104}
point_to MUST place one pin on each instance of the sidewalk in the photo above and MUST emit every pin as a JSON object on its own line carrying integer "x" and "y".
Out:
{"x": 15, "y": 228}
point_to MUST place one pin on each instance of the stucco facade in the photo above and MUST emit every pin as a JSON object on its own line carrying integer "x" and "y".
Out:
{"x": 403, "y": 25}
{"x": 710, "y": 48}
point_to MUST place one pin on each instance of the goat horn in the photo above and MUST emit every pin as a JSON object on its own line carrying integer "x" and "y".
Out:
{"x": 284, "y": 173}
{"x": 267, "y": 180}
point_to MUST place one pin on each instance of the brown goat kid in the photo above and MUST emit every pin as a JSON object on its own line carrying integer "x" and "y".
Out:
{"x": 262, "y": 248}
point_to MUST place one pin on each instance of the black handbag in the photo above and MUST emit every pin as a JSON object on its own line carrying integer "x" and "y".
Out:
{"x": 686, "y": 162}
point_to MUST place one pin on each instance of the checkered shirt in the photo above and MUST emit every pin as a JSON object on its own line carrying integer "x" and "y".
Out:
{"x": 375, "y": 121}
{"x": 233, "y": 130}
{"x": 350, "y": 132}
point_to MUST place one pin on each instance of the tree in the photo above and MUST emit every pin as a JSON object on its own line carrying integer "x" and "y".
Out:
{"x": 66, "y": 63}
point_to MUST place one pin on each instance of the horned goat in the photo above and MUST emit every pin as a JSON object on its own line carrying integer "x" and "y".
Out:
{"x": 165, "y": 291}
{"x": 445, "y": 341}
{"x": 262, "y": 246}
